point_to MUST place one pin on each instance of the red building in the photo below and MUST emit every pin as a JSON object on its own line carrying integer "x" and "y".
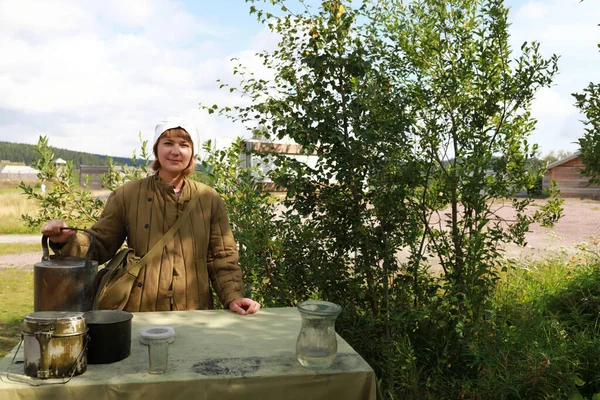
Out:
{"x": 570, "y": 182}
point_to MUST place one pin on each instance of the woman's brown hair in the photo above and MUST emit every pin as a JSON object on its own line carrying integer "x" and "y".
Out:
{"x": 177, "y": 133}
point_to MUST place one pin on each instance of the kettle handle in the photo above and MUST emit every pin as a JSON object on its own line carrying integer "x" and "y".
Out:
{"x": 88, "y": 255}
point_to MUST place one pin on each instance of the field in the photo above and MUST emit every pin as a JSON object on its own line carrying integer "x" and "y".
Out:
{"x": 13, "y": 204}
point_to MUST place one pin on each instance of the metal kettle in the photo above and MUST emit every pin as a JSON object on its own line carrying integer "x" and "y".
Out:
{"x": 64, "y": 283}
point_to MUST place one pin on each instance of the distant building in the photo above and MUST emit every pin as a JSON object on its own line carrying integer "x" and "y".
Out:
{"x": 60, "y": 161}
{"x": 570, "y": 182}
{"x": 288, "y": 149}
{"x": 94, "y": 174}
{"x": 18, "y": 173}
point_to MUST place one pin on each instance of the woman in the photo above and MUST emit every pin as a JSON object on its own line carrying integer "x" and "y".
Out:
{"x": 141, "y": 212}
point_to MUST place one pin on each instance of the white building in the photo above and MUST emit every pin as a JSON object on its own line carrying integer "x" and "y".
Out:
{"x": 18, "y": 173}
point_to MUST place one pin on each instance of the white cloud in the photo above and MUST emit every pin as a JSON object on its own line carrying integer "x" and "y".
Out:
{"x": 570, "y": 35}
{"x": 558, "y": 121}
{"x": 566, "y": 27}
{"x": 533, "y": 10}
{"x": 550, "y": 104}
{"x": 91, "y": 75}
{"x": 37, "y": 19}
{"x": 132, "y": 13}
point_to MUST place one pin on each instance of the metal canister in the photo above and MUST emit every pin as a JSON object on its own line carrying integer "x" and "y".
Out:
{"x": 54, "y": 344}
{"x": 64, "y": 283}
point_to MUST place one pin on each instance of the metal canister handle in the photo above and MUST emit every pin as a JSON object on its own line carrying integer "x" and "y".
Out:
{"x": 43, "y": 338}
{"x": 88, "y": 255}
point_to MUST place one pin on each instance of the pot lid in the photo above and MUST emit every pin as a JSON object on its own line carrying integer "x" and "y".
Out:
{"x": 157, "y": 333}
{"x": 57, "y": 323}
{"x": 53, "y": 316}
{"x": 107, "y": 316}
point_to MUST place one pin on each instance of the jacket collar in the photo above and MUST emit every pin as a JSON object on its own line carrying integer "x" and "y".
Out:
{"x": 169, "y": 190}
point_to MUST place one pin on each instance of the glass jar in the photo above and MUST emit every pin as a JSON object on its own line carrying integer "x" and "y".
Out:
{"x": 317, "y": 344}
{"x": 157, "y": 338}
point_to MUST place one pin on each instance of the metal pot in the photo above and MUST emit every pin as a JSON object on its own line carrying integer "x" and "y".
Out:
{"x": 64, "y": 283}
{"x": 54, "y": 344}
{"x": 110, "y": 336}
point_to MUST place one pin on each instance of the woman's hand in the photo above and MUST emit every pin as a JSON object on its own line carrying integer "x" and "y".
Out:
{"x": 55, "y": 234}
{"x": 244, "y": 306}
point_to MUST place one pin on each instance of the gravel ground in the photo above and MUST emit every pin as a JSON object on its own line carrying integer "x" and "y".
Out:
{"x": 23, "y": 260}
{"x": 580, "y": 223}
{"x": 20, "y": 238}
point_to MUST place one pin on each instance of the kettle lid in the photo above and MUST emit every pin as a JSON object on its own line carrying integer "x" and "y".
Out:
{"x": 64, "y": 262}
{"x": 54, "y": 261}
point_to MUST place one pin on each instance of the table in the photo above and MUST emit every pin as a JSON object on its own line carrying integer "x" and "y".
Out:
{"x": 217, "y": 354}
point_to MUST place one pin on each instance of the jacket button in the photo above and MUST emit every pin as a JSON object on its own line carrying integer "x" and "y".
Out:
{"x": 146, "y": 226}
{"x": 149, "y": 198}
{"x": 140, "y": 284}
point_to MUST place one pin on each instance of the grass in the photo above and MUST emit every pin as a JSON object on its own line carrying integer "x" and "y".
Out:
{"x": 9, "y": 190}
{"x": 544, "y": 340}
{"x": 8, "y": 184}
{"x": 18, "y": 248}
{"x": 16, "y": 301}
{"x": 13, "y": 204}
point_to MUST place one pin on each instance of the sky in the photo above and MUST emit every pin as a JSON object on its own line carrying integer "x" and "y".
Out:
{"x": 91, "y": 75}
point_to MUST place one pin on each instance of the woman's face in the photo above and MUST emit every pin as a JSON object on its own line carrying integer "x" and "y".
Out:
{"x": 174, "y": 154}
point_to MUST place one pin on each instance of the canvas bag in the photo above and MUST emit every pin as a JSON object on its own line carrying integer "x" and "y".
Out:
{"x": 119, "y": 275}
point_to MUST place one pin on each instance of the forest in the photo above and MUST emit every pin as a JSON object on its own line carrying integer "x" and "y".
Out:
{"x": 28, "y": 154}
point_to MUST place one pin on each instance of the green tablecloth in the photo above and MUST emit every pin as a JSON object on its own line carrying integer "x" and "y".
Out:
{"x": 216, "y": 355}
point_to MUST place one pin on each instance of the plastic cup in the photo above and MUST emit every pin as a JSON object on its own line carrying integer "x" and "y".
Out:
{"x": 157, "y": 338}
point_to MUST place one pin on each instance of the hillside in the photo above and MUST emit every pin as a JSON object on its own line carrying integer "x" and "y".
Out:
{"x": 27, "y": 153}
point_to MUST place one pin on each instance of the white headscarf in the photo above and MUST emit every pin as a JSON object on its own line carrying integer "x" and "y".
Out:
{"x": 177, "y": 122}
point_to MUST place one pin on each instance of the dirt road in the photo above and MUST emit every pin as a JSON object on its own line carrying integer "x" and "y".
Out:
{"x": 23, "y": 260}
{"x": 20, "y": 238}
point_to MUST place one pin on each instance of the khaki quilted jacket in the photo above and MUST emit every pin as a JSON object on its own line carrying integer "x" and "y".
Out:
{"x": 202, "y": 251}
